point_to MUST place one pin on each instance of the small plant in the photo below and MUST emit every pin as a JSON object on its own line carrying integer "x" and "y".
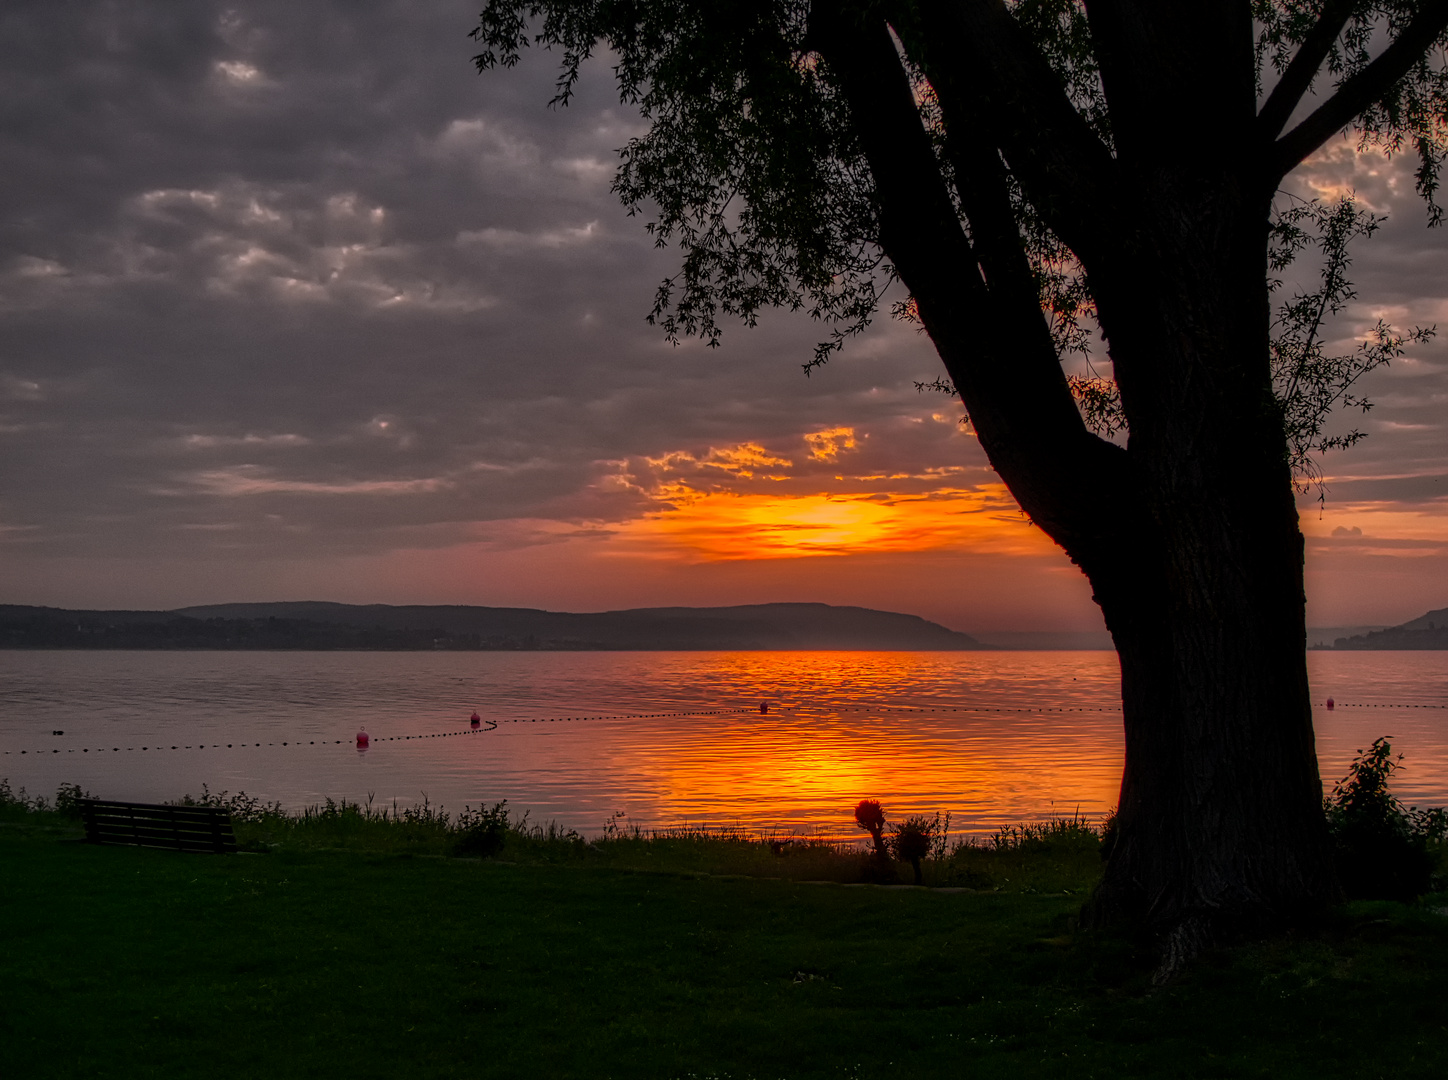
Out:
{"x": 940, "y": 838}
{"x": 912, "y": 840}
{"x": 20, "y": 804}
{"x": 241, "y": 806}
{"x": 482, "y": 832}
{"x": 878, "y": 866}
{"x": 1056, "y": 832}
{"x": 67, "y": 800}
{"x": 870, "y": 816}
{"x": 1381, "y": 847}
{"x": 1109, "y": 834}
{"x": 17, "y": 804}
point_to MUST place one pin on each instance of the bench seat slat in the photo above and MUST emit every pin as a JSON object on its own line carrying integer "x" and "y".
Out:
{"x": 146, "y": 810}
{"x": 160, "y": 823}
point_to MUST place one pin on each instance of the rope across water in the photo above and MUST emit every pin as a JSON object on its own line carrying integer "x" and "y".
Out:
{"x": 493, "y": 724}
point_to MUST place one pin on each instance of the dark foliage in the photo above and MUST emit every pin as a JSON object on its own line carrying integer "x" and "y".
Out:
{"x": 1381, "y": 847}
{"x": 912, "y": 841}
{"x": 482, "y": 833}
{"x": 870, "y": 816}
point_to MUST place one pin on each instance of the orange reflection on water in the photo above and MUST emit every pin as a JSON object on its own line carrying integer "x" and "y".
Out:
{"x": 994, "y": 738}
{"x": 987, "y": 749}
{"x": 806, "y": 772}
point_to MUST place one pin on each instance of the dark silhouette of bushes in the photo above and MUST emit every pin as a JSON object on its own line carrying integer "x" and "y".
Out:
{"x": 870, "y": 816}
{"x": 1381, "y": 847}
{"x": 482, "y": 832}
{"x": 912, "y": 841}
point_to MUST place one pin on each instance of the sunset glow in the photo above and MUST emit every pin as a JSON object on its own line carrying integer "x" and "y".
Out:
{"x": 728, "y": 525}
{"x": 824, "y": 495}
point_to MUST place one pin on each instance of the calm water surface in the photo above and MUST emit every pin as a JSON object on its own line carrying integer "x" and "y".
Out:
{"x": 994, "y": 738}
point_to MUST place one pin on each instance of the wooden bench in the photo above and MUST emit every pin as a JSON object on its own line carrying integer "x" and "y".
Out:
{"x": 175, "y": 828}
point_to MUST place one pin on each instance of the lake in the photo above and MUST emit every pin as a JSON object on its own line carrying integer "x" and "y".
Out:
{"x": 655, "y": 738}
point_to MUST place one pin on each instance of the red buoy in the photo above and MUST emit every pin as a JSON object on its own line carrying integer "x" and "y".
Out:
{"x": 763, "y": 707}
{"x": 362, "y": 740}
{"x": 1331, "y": 704}
{"x": 477, "y": 720}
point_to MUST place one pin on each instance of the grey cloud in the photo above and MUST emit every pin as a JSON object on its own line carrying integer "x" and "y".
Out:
{"x": 286, "y": 278}
{"x": 1407, "y": 491}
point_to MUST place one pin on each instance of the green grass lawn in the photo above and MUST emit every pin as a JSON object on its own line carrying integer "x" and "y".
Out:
{"x": 305, "y": 961}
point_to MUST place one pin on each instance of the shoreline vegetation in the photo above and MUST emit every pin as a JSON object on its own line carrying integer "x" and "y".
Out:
{"x": 1384, "y": 849}
{"x": 349, "y": 939}
{"x": 1061, "y": 855}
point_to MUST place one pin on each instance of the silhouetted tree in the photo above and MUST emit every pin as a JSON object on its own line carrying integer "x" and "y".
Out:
{"x": 1033, "y": 172}
{"x": 870, "y": 816}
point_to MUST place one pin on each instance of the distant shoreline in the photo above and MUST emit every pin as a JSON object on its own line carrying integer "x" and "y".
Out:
{"x": 314, "y": 626}
{"x": 327, "y": 627}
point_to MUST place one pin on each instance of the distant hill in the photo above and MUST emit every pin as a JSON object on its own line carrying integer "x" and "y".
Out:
{"x": 1428, "y": 631}
{"x": 327, "y": 626}
{"x": 1322, "y": 637}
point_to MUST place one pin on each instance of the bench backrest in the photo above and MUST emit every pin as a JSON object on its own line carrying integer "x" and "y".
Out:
{"x": 176, "y": 828}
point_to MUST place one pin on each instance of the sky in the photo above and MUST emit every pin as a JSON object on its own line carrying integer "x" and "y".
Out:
{"x": 295, "y": 304}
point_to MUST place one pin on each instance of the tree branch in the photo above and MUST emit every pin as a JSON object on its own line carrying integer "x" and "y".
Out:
{"x": 1361, "y": 90}
{"x": 1007, "y": 371}
{"x": 980, "y": 182}
{"x": 918, "y": 223}
{"x": 1177, "y": 76}
{"x": 1293, "y": 84}
{"x": 1065, "y": 169}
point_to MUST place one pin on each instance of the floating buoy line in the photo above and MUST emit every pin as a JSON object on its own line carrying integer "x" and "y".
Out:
{"x": 363, "y": 740}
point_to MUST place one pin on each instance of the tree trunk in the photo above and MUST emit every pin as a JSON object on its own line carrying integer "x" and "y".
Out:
{"x": 1219, "y": 825}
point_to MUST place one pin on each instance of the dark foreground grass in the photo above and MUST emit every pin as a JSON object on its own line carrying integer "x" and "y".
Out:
{"x": 308, "y": 961}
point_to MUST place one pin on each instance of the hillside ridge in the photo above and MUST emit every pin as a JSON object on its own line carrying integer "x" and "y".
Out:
{"x": 325, "y": 625}
{"x": 1427, "y": 631}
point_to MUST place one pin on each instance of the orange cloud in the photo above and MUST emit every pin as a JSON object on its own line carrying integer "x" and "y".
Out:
{"x": 752, "y": 502}
{"x": 742, "y": 525}
{"x": 826, "y": 445}
{"x": 747, "y": 460}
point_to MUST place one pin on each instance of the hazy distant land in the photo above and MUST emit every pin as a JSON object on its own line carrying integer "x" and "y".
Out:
{"x": 327, "y": 626}
{"x": 318, "y": 625}
{"x": 1428, "y": 631}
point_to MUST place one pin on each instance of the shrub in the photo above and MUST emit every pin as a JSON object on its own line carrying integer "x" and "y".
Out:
{"x": 913, "y": 840}
{"x": 481, "y": 832}
{"x": 67, "y": 800}
{"x": 18, "y": 805}
{"x": 241, "y": 806}
{"x": 1075, "y": 831}
{"x": 1380, "y": 847}
{"x": 870, "y": 816}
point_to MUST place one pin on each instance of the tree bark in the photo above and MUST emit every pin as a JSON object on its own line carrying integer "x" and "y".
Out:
{"x": 1220, "y": 824}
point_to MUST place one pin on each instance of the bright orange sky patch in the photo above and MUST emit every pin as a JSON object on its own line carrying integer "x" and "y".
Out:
{"x": 749, "y": 502}
{"x": 741, "y": 525}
